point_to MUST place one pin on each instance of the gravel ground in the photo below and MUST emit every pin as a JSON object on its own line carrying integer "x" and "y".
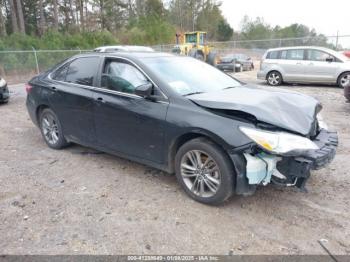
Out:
{"x": 79, "y": 201}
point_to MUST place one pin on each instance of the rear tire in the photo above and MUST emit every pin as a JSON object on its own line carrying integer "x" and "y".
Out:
{"x": 204, "y": 171}
{"x": 274, "y": 78}
{"x": 51, "y": 129}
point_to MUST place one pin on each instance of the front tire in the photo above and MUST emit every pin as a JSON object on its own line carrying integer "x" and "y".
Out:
{"x": 274, "y": 78}
{"x": 212, "y": 58}
{"x": 344, "y": 79}
{"x": 51, "y": 129}
{"x": 204, "y": 171}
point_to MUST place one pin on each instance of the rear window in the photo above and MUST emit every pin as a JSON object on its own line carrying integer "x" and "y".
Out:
{"x": 82, "y": 71}
{"x": 272, "y": 55}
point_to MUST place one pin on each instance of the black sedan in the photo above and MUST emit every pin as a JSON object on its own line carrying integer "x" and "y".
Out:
{"x": 235, "y": 63}
{"x": 218, "y": 135}
{"x": 4, "y": 91}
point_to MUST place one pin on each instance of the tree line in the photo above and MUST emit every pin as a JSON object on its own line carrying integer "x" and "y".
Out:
{"x": 59, "y": 24}
{"x": 110, "y": 21}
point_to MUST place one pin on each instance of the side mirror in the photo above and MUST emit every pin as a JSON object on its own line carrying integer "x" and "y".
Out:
{"x": 144, "y": 90}
{"x": 329, "y": 59}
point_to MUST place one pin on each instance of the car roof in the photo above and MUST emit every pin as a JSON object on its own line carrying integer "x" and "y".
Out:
{"x": 128, "y": 54}
{"x": 300, "y": 47}
{"x": 123, "y": 48}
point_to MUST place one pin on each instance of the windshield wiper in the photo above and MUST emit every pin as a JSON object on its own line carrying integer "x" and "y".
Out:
{"x": 193, "y": 93}
{"x": 229, "y": 87}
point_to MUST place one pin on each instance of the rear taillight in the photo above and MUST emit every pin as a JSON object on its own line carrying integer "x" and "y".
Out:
{"x": 28, "y": 88}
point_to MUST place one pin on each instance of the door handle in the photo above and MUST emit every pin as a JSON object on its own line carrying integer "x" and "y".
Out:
{"x": 100, "y": 99}
{"x": 298, "y": 63}
{"x": 53, "y": 88}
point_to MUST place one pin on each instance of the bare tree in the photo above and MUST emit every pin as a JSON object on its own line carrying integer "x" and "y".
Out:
{"x": 2, "y": 20}
{"x": 20, "y": 16}
{"x": 13, "y": 16}
{"x": 81, "y": 14}
{"x": 41, "y": 18}
{"x": 55, "y": 14}
{"x": 72, "y": 11}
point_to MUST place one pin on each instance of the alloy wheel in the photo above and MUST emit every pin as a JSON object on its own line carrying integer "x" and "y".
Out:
{"x": 50, "y": 129}
{"x": 345, "y": 80}
{"x": 274, "y": 79}
{"x": 200, "y": 173}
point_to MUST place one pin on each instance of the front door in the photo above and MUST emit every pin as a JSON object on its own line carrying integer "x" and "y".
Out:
{"x": 321, "y": 67}
{"x": 125, "y": 122}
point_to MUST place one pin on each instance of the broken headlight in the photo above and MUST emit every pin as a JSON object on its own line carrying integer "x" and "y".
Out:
{"x": 278, "y": 142}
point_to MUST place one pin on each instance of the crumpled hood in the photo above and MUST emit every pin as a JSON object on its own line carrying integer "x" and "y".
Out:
{"x": 285, "y": 109}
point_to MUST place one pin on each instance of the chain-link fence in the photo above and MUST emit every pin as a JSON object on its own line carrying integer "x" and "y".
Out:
{"x": 19, "y": 66}
{"x": 256, "y": 48}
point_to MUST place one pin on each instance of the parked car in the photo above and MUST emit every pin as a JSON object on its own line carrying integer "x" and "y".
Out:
{"x": 304, "y": 65}
{"x": 4, "y": 91}
{"x": 217, "y": 135}
{"x": 115, "y": 48}
{"x": 235, "y": 63}
{"x": 346, "y": 53}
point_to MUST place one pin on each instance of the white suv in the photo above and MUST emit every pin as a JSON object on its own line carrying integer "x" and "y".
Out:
{"x": 304, "y": 64}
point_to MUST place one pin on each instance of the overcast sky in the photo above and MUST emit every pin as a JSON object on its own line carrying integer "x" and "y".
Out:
{"x": 326, "y": 17}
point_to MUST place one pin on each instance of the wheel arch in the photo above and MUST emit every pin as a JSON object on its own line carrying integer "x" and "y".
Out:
{"x": 188, "y": 136}
{"x": 274, "y": 70}
{"x": 338, "y": 78}
{"x": 38, "y": 111}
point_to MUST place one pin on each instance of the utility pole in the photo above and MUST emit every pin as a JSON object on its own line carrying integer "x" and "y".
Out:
{"x": 336, "y": 41}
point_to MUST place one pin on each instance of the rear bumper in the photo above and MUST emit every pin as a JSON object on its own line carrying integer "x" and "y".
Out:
{"x": 261, "y": 75}
{"x": 226, "y": 67}
{"x": 31, "y": 108}
{"x": 4, "y": 94}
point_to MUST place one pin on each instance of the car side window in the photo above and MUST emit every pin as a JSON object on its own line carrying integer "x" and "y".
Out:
{"x": 122, "y": 77}
{"x": 294, "y": 54}
{"x": 317, "y": 55}
{"x": 272, "y": 55}
{"x": 60, "y": 74}
{"x": 83, "y": 70}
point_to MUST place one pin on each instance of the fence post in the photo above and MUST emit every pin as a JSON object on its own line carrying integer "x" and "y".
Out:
{"x": 36, "y": 61}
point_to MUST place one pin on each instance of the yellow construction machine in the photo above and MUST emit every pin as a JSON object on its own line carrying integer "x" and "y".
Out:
{"x": 194, "y": 44}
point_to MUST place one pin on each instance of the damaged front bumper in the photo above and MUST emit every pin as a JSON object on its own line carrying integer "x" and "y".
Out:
{"x": 262, "y": 168}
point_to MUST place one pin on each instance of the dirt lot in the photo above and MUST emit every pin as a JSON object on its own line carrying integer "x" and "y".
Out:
{"x": 79, "y": 201}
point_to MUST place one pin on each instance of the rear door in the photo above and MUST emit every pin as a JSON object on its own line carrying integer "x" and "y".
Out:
{"x": 293, "y": 64}
{"x": 125, "y": 122}
{"x": 321, "y": 67}
{"x": 71, "y": 97}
